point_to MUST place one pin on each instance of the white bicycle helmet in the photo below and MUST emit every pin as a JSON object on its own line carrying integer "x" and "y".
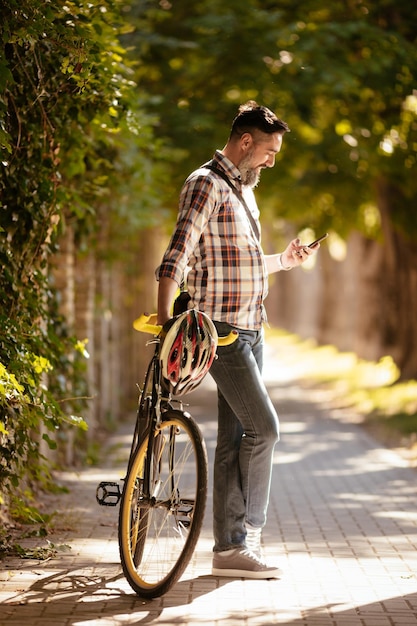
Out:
{"x": 187, "y": 351}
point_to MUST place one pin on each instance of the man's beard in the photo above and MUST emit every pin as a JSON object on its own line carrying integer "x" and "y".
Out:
{"x": 250, "y": 175}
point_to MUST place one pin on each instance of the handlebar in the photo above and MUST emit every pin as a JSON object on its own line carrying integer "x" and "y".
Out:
{"x": 147, "y": 324}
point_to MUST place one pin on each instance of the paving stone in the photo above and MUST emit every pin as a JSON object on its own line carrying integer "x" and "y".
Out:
{"x": 342, "y": 524}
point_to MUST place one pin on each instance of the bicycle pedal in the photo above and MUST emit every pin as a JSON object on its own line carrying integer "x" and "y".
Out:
{"x": 183, "y": 515}
{"x": 108, "y": 494}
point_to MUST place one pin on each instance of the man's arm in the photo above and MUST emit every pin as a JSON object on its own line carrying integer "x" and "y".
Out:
{"x": 197, "y": 201}
{"x": 166, "y": 293}
{"x": 293, "y": 256}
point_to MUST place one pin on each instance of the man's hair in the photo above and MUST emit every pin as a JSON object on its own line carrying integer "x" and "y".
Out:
{"x": 252, "y": 116}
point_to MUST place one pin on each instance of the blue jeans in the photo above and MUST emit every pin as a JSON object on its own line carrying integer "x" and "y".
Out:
{"x": 248, "y": 429}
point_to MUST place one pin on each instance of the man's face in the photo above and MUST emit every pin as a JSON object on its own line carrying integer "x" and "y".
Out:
{"x": 260, "y": 152}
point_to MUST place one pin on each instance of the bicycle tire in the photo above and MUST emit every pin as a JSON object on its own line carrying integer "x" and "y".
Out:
{"x": 158, "y": 535}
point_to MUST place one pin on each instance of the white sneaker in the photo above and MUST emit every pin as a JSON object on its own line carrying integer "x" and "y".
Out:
{"x": 241, "y": 563}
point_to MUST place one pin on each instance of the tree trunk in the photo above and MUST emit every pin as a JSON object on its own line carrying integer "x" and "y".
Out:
{"x": 398, "y": 277}
{"x": 64, "y": 282}
{"x": 364, "y": 303}
{"x": 137, "y": 276}
{"x": 85, "y": 296}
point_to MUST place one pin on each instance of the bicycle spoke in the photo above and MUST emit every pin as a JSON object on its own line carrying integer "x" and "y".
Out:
{"x": 162, "y": 528}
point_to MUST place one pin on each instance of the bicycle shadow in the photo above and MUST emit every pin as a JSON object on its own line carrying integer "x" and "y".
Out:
{"x": 72, "y": 596}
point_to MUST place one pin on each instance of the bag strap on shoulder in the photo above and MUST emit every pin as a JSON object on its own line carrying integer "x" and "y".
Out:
{"x": 211, "y": 166}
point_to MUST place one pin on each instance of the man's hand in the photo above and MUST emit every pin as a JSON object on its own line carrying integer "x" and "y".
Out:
{"x": 295, "y": 254}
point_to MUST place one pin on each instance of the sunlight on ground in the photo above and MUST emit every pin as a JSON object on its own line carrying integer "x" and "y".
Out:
{"x": 368, "y": 386}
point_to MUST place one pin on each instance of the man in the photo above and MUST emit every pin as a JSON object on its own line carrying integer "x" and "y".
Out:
{"x": 217, "y": 241}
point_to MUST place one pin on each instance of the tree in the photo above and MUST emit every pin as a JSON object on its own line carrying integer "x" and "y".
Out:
{"x": 342, "y": 76}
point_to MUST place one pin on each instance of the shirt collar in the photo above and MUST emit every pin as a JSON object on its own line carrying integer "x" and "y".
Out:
{"x": 226, "y": 164}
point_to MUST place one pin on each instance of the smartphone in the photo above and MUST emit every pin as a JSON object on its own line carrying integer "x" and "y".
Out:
{"x": 311, "y": 245}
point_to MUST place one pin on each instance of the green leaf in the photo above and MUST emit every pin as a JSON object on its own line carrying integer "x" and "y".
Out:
{"x": 51, "y": 443}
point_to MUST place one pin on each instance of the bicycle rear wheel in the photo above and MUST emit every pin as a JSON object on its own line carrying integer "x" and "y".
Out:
{"x": 158, "y": 533}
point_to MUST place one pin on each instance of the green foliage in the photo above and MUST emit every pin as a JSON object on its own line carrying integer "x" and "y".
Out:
{"x": 39, "y": 553}
{"x": 35, "y": 526}
{"x": 356, "y": 72}
{"x": 30, "y": 525}
{"x": 342, "y": 75}
{"x": 30, "y": 411}
{"x": 68, "y": 108}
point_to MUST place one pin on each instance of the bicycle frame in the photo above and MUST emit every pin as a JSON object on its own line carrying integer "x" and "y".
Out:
{"x": 152, "y": 420}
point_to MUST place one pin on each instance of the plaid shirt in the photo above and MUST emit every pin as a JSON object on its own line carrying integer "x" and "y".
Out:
{"x": 227, "y": 278}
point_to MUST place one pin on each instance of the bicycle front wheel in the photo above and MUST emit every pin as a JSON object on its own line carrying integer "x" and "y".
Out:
{"x": 158, "y": 531}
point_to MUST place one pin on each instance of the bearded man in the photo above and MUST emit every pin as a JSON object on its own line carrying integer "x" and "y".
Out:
{"x": 216, "y": 242}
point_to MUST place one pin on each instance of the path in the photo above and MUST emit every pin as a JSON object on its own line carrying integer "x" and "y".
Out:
{"x": 342, "y": 525}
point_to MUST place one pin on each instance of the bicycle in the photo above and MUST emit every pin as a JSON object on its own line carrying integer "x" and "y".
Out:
{"x": 163, "y": 499}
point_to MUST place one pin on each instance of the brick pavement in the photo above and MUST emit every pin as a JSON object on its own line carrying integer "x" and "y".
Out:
{"x": 342, "y": 524}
